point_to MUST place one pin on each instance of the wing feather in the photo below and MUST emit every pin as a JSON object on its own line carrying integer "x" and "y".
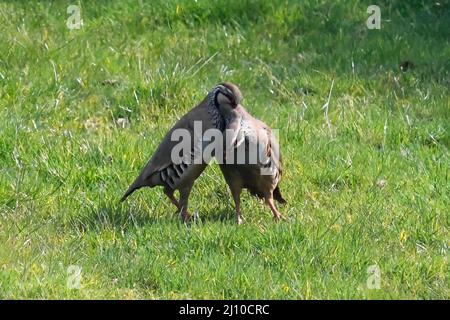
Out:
{"x": 162, "y": 159}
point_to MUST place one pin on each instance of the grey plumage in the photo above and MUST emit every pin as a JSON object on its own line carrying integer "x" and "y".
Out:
{"x": 254, "y": 140}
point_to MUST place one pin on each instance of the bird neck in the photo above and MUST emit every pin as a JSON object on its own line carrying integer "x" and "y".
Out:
{"x": 213, "y": 110}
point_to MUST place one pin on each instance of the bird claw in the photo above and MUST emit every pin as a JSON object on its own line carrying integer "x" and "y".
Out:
{"x": 279, "y": 218}
{"x": 185, "y": 216}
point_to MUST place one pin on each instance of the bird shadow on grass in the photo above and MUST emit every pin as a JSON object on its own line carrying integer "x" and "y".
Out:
{"x": 106, "y": 215}
{"x": 123, "y": 218}
{"x": 213, "y": 215}
{"x": 116, "y": 217}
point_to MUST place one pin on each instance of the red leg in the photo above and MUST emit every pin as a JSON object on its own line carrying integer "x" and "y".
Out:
{"x": 237, "y": 203}
{"x": 276, "y": 214}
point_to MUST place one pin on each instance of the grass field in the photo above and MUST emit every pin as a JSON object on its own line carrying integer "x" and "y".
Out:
{"x": 367, "y": 182}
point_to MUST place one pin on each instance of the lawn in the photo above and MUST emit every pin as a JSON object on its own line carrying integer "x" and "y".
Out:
{"x": 366, "y": 175}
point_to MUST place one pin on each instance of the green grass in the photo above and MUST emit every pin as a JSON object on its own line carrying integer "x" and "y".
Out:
{"x": 371, "y": 189}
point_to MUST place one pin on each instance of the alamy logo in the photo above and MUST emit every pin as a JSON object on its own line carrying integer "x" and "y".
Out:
{"x": 228, "y": 147}
{"x": 374, "y": 277}
{"x": 74, "y": 277}
{"x": 374, "y": 20}
{"x": 74, "y": 21}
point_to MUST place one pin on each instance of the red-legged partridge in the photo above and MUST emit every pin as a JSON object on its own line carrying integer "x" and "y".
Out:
{"x": 252, "y": 155}
{"x": 162, "y": 170}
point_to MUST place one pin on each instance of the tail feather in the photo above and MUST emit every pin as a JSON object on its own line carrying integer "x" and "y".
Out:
{"x": 140, "y": 182}
{"x": 277, "y": 195}
{"x": 125, "y": 196}
{"x": 130, "y": 190}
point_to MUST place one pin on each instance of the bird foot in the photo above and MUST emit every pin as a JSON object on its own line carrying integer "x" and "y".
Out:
{"x": 279, "y": 218}
{"x": 185, "y": 217}
{"x": 239, "y": 221}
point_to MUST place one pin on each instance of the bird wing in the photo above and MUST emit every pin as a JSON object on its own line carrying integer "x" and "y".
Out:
{"x": 162, "y": 158}
{"x": 275, "y": 152}
{"x": 268, "y": 147}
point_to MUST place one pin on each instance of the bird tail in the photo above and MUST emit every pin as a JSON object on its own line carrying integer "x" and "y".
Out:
{"x": 129, "y": 192}
{"x": 140, "y": 182}
{"x": 277, "y": 195}
{"x": 136, "y": 185}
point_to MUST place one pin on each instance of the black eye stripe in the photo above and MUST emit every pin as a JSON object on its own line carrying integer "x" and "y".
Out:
{"x": 227, "y": 93}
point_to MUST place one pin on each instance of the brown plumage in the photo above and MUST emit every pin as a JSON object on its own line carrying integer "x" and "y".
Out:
{"x": 253, "y": 159}
{"x": 161, "y": 170}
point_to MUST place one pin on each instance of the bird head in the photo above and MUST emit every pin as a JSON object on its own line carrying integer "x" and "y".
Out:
{"x": 228, "y": 95}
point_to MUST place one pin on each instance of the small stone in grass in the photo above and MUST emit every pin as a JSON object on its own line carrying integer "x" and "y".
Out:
{"x": 110, "y": 82}
{"x": 381, "y": 183}
{"x": 406, "y": 65}
{"x": 123, "y": 123}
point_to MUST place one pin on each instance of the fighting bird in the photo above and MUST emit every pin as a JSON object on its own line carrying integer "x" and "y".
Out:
{"x": 252, "y": 155}
{"x": 162, "y": 170}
